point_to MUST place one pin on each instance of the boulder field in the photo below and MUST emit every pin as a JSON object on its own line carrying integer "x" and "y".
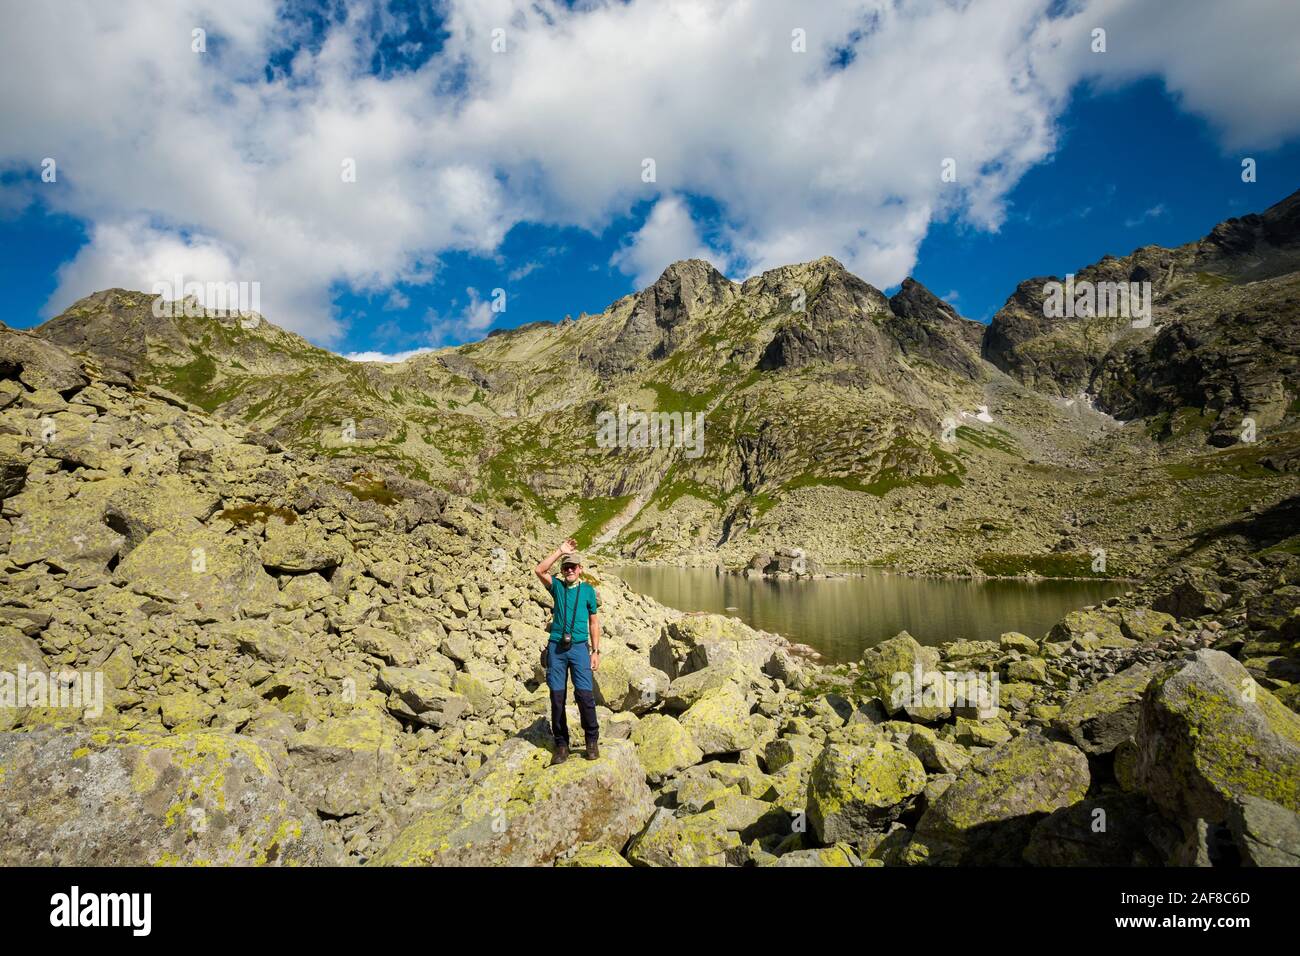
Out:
{"x": 312, "y": 660}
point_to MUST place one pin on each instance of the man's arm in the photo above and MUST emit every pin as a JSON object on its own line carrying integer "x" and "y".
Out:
{"x": 543, "y": 569}
{"x": 593, "y": 629}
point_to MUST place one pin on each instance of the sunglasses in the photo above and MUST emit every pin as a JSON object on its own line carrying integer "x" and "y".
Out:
{"x": 570, "y": 567}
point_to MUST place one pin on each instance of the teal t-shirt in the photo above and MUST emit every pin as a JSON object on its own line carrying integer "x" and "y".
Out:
{"x": 573, "y": 605}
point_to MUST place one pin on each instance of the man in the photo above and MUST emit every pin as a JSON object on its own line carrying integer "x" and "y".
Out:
{"x": 574, "y": 647}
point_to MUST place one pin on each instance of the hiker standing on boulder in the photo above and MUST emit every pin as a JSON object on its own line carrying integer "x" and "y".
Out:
{"x": 574, "y": 647}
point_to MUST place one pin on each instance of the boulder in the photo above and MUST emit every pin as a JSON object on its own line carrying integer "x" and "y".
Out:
{"x": 855, "y": 790}
{"x": 1100, "y": 623}
{"x": 518, "y": 810}
{"x": 1208, "y": 736}
{"x": 664, "y": 746}
{"x": 1097, "y": 831}
{"x": 697, "y": 839}
{"x": 13, "y": 465}
{"x": 258, "y": 638}
{"x": 594, "y": 855}
{"x": 626, "y": 681}
{"x": 16, "y": 649}
{"x": 384, "y": 644}
{"x": 340, "y": 765}
{"x": 37, "y": 363}
{"x": 298, "y": 548}
{"x": 988, "y": 813}
{"x": 203, "y": 571}
{"x": 1144, "y": 624}
{"x": 719, "y": 721}
{"x": 69, "y": 535}
{"x": 1266, "y": 834}
{"x": 1100, "y": 718}
{"x": 169, "y": 502}
{"x": 889, "y": 669}
{"x": 841, "y": 854}
{"x": 421, "y": 696}
{"x": 685, "y": 690}
{"x": 1015, "y": 641}
{"x": 132, "y": 798}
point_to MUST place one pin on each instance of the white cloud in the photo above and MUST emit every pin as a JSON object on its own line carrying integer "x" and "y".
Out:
{"x": 396, "y": 301}
{"x": 668, "y": 235}
{"x": 1155, "y": 212}
{"x": 199, "y": 163}
{"x": 388, "y": 357}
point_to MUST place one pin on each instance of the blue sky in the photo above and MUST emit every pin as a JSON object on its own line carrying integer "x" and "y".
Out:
{"x": 479, "y": 172}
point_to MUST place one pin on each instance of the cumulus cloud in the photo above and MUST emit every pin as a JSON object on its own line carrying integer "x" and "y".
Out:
{"x": 236, "y": 163}
{"x": 669, "y": 234}
{"x": 387, "y": 357}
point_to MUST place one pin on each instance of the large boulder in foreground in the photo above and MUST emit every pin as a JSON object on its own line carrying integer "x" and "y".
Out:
{"x": 855, "y": 790}
{"x": 1208, "y": 736}
{"x": 697, "y": 839}
{"x": 105, "y": 798}
{"x": 988, "y": 813}
{"x": 517, "y": 810}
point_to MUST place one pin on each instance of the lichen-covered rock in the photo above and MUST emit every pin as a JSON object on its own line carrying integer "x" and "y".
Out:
{"x": 841, "y": 854}
{"x": 987, "y": 814}
{"x": 258, "y": 638}
{"x": 16, "y": 649}
{"x": 13, "y": 466}
{"x": 1031, "y": 670}
{"x": 38, "y": 364}
{"x": 340, "y": 765}
{"x": 696, "y": 641}
{"x": 889, "y": 669}
{"x": 938, "y": 756}
{"x": 594, "y": 855}
{"x": 664, "y": 746}
{"x": 685, "y": 690}
{"x": 719, "y": 721}
{"x": 518, "y": 810}
{"x": 1097, "y": 831}
{"x": 169, "y": 502}
{"x": 298, "y": 548}
{"x": 697, "y": 839}
{"x": 1144, "y": 624}
{"x": 106, "y": 798}
{"x": 1101, "y": 624}
{"x": 68, "y": 535}
{"x": 1015, "y": 641}
{"x": 1266, "y": 834}
{"x": 1100, "y": 718}
{"x": 204, "y": 572}
{"x": 422, "y": 696}
{"x": 750, "y": 817}
{"x": 626, "y": 681}
{"x": 857, "y": 789}
{"x": 1209, "y": 735}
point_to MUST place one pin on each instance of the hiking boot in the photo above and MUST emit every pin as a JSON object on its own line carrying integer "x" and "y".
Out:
{"x": 593, "y": 750}
{"x": 561, "y": 754}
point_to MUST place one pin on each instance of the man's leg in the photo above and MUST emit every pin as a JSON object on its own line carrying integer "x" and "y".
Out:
{"x": 584, "y": 691}
{"x": 557, "y": 680}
